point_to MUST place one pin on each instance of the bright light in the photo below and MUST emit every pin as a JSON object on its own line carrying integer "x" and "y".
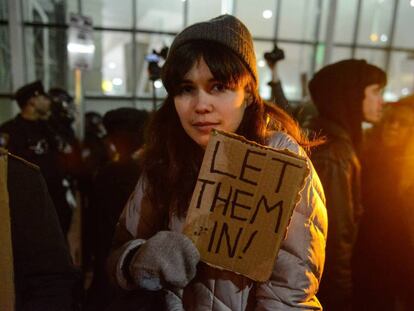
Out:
{"x": 106, "y": 86}
{"x": 390, "y": 96}
{"x": 384, "y": 38}
{"x": 290, "y": 90}
{"x": 261, "y": 63}
{"x": 112, "y": 65}
{"x": 81, "y": 48}
{"x": 267, "y": 14}
{"x": 373, "y": 37}
{"x": 117, "y": 81}
{"x": 405, "y": 91}
{"x": 412, "y": 3}
{"x": 157, "y": 84}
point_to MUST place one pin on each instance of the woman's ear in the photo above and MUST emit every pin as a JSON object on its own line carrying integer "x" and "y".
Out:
{"x": 248, "y": 99}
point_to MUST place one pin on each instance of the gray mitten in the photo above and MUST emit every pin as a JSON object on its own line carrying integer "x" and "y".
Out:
{"x": 166, "y": 260}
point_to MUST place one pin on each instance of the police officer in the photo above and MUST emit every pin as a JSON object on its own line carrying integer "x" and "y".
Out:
{"x": 29, "y": 136}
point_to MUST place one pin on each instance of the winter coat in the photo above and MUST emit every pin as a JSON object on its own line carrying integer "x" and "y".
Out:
{"x": 297, "y": 270}
{"x": 45, "y": 278}
{"x": 339, "y": 169}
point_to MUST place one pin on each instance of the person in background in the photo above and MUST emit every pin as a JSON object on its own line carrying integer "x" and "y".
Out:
{"x": 29, "y": 136}
{"x": 345, "y": 93}
{"x": 384, "y": 251}
{"x": 277, "y": 95}
{"x": 113, "y": 184}
{"x": 95, "y": 153}
{"x": 41, "y": 272}
{"x": 63, "y": 113}
{"x": 211, "y": 78}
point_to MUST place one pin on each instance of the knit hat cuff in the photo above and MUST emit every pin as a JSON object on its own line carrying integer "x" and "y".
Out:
{"x": 226, "y": 30}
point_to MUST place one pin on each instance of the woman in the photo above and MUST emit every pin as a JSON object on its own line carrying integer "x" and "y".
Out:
{"x": 384, "y": 252}
{"x": 211, "y": 78}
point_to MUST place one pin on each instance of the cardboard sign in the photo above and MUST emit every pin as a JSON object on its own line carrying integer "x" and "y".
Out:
{"x": 242, "y": 204}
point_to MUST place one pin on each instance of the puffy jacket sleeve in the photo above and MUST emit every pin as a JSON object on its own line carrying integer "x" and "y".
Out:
{"x": 138, "y": 222}
{"x": 298, "y": 268}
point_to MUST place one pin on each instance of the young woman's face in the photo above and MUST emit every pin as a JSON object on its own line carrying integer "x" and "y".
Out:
{"x": 372, "y": 103}
{"x": 398, "y": 127}
{"x": 204, "y": 104}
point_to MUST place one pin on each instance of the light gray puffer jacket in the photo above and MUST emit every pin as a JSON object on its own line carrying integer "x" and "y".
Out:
{"x": 297, "y": 270}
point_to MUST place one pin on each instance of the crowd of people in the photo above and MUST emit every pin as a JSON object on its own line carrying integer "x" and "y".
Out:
{"x": 350, "y": 242}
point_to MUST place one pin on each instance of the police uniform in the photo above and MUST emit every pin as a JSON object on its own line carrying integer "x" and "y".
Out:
{"x": 44, "y": 276}
{"x": 33, "y": 141}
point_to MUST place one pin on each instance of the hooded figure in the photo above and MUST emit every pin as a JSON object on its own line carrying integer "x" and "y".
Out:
{"x": 346, "y": 94}
{"x": 338, "y": 91}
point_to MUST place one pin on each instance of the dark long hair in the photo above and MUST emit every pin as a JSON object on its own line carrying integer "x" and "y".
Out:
{"x": 171, "y": 159}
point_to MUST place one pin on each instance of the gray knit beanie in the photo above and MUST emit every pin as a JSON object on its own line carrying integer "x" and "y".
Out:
{"x": 226, "y": 30}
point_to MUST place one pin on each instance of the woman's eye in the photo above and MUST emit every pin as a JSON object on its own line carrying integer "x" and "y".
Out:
{"x": 219, "y": 87}
{"x": 184, "y": 89}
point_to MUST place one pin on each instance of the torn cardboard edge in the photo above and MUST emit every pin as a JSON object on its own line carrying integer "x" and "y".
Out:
{"x": 225, "y": 219}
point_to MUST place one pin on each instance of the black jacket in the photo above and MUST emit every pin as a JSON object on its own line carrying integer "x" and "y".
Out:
{"x": 338, "y": 167}
{"x": 35, "y": 142}
{"x": 44, "y": 276}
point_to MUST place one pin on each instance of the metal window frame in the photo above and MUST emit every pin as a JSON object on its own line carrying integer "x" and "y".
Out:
{"x": 134, "y": 31}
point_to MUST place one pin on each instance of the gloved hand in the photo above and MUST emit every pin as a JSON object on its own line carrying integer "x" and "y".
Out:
{"x": 166, "y": 260}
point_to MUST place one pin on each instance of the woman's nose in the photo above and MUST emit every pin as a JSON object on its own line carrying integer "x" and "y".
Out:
{"x": 203, "y": 103}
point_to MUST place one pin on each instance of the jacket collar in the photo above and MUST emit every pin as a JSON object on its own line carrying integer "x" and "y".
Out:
{"x": 330, "y": 129}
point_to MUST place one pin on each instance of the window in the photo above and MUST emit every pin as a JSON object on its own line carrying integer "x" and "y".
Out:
{"x": 291, "y": 70}
{"x": 259, "y": 16}
{"x": 5, "y": 76}
{"x": 404, "y": 25}
{"x": 48, "y": 11}
{"x": 298, "y": 19}
{"x": 145, "y": 45}
{"x": 3, "y": 10}
{"x": 375, "y": 24}
{"x": 46, "y": 56}
{"x": 401, "y": 75}
{"x": 127, "y": 31}
{"x": 346, "y": 15}
{"x": 111, "y": 71}
{"x": 372, "y": 56}
{"x": 109, "y": 13}
{"x": 160, "y": 15}
{"x": 7, "y": 109}
{"x": 202, "y": 10}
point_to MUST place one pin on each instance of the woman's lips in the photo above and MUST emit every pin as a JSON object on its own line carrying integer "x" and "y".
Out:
{"x": 205, "y": 127}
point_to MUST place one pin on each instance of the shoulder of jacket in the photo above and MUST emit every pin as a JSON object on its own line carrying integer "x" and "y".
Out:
{"x": 20, "y": 160}
{"x": 281, "y": 140}
{"x": 6, "y": 125}
{"x": 335, "y": 150}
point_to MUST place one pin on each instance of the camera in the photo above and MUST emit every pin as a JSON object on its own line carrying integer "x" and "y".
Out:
{"x": 154, "y": 70}
{"x": 274, "y": 56}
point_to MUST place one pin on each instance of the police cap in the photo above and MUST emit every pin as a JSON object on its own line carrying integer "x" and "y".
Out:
{"x": 28, "y": 91}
